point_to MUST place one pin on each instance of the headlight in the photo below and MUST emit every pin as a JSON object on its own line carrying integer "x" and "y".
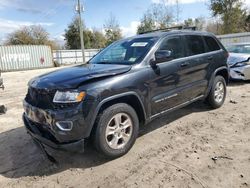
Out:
{"x": 68, "y": 96}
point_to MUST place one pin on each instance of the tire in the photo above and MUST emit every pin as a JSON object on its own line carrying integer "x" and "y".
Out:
{"x": 218, "y": 92}
{"x": 111, "y": 136}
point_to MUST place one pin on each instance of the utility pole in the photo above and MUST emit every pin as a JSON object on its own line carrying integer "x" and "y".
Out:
{"x": 79, "y": 10}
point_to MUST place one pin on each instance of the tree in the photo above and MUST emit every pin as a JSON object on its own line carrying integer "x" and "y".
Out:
{"x": 231, "y": 13}
{"x": 30, "y": 35}
{"x": 98, "y": 40}
{"x": 112, "y": 30}
{"x": 72, "y": 35}
{"x": 92, "y": 39}
{"x": 214, "y": 27}
{"x": 177, "y": 10}
{"x": 158, "y": 16}
{"x": 147, "y": 24}
{"x": 247, "y": 22}
{"x": 197, "y": 22}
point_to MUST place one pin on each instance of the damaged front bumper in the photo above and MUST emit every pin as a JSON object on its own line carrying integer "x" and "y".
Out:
{"x": 41, "y": 126}
{"x": 48, "y": 141}
{"x": 240, "y": 73}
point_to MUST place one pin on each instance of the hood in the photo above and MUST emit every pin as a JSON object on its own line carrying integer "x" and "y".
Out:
{"x": 73, "y": 77}
{"x": 237, "y": 58}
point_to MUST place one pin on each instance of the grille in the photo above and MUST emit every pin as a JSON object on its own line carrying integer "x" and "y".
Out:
{"x": 40, "y": 98}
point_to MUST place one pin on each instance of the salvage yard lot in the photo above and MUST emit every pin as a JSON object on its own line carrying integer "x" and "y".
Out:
{"x": 173, "y": 151}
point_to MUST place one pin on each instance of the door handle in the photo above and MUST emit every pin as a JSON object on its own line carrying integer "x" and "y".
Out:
{"x": 184, "y": 64}
{"x": 210, "y": 58}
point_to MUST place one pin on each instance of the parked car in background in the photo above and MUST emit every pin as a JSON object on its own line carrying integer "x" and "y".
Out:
{"x": 239, "y": 61}
{"x": 127, "y": 84}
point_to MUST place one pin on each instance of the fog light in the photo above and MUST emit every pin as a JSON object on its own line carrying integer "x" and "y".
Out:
{"x": 65, "y": 125}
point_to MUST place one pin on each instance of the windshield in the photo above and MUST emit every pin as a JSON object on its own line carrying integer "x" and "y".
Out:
{"x": 125, "y": 52}
{"x": 239, "y": 48}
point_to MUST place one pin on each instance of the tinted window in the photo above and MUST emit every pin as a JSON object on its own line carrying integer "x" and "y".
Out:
{"x": 195, "y": 45}
{"x": 174, "y": 45}
{"x": 212, "y": 45}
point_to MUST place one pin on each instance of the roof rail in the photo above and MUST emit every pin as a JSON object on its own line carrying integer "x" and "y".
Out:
{"x": 181, "y": 27}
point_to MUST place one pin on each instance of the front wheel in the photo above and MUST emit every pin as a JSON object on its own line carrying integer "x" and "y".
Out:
{"x": 218, "y": 92}
{"x": 116, "y": 130}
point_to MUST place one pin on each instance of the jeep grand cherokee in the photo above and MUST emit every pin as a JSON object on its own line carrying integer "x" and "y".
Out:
{"x": 127, "y": 84}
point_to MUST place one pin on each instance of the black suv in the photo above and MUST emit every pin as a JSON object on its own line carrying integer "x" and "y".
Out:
{"x": 127, "y": 84}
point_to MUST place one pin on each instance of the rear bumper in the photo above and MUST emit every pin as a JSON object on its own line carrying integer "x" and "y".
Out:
{"x": 240, "y": 73}
{"x": 50, "y": 143}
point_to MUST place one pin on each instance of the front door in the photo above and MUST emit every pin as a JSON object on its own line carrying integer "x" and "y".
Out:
{"x": 165, "y": 78}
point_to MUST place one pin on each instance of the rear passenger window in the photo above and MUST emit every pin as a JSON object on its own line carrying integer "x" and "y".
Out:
{"x": 212, "y": 45}
{"x": 195, "y": 45}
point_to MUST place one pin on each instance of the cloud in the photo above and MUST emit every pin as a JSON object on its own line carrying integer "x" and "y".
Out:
{"x": 30, "y": 6}
{"x": 131, "y": 29}
{"x": 7, "y": 26}
{"x": 174, "y": 1}
{"x": 30, "y": 10}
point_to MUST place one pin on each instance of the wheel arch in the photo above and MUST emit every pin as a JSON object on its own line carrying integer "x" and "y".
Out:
{"x": 223, "y": 71}
{"x": 130, "y": 98}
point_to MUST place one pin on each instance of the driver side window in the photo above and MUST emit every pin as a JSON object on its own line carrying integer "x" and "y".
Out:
{"x": 174, "y": 45}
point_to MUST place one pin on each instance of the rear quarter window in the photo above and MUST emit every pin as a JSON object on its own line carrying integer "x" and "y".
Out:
{"x": 195, "y": 45}
{"x": 211, "y": 43}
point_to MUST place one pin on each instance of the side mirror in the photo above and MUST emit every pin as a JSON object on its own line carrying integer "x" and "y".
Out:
{"x": 163, "y": 55}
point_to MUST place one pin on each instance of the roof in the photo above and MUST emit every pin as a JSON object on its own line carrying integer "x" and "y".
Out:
{"x": 160, "y": 34}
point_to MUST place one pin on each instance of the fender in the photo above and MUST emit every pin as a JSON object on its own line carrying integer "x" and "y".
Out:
{"x": 212, "y": 78}
{"x": 116, "y": 97}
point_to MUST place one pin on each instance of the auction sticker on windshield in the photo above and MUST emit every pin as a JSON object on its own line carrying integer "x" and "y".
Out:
{"x": 139, "y": 44}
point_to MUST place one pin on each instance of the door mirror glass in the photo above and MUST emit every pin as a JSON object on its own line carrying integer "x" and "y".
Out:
{"x": 163, "y": 55}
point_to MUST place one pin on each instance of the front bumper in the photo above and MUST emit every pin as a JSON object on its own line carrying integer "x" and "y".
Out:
{"x": 240, "y": 73}
{"x": 41, "y": 125}
{"x": 47, "y": 141}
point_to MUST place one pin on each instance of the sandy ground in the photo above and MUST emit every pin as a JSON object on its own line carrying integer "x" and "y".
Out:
{"x": 172, "y": 151}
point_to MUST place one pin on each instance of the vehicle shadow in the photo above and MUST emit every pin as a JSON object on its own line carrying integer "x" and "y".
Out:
{"x": 20, "y": 157}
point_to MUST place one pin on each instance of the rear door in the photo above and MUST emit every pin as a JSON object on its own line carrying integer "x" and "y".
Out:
{"x": 192, "y": 73}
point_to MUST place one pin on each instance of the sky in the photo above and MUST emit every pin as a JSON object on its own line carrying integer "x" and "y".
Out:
{"x": 55, "y": 15}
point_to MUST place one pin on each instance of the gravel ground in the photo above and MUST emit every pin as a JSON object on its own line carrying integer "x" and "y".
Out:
{"x": 172, "y": 151}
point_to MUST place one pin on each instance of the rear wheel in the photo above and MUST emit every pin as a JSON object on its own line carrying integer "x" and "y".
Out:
{"x": 116, "y": 130}
{"x": 218, "y": 92}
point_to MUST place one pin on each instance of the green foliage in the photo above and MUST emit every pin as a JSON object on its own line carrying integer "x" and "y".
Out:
{"x": 197, "y": 22}
{"x": 30, "y": 35}
{"x": 158, "y": 16}
{"x": 231, "y": 13}
{"x": 72, "y": 35}
{"x": 99, "y": 40}
{"x": 112, "y": 30}
{"x": 92, "y": 39}
{"x": 147, "y": 24}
